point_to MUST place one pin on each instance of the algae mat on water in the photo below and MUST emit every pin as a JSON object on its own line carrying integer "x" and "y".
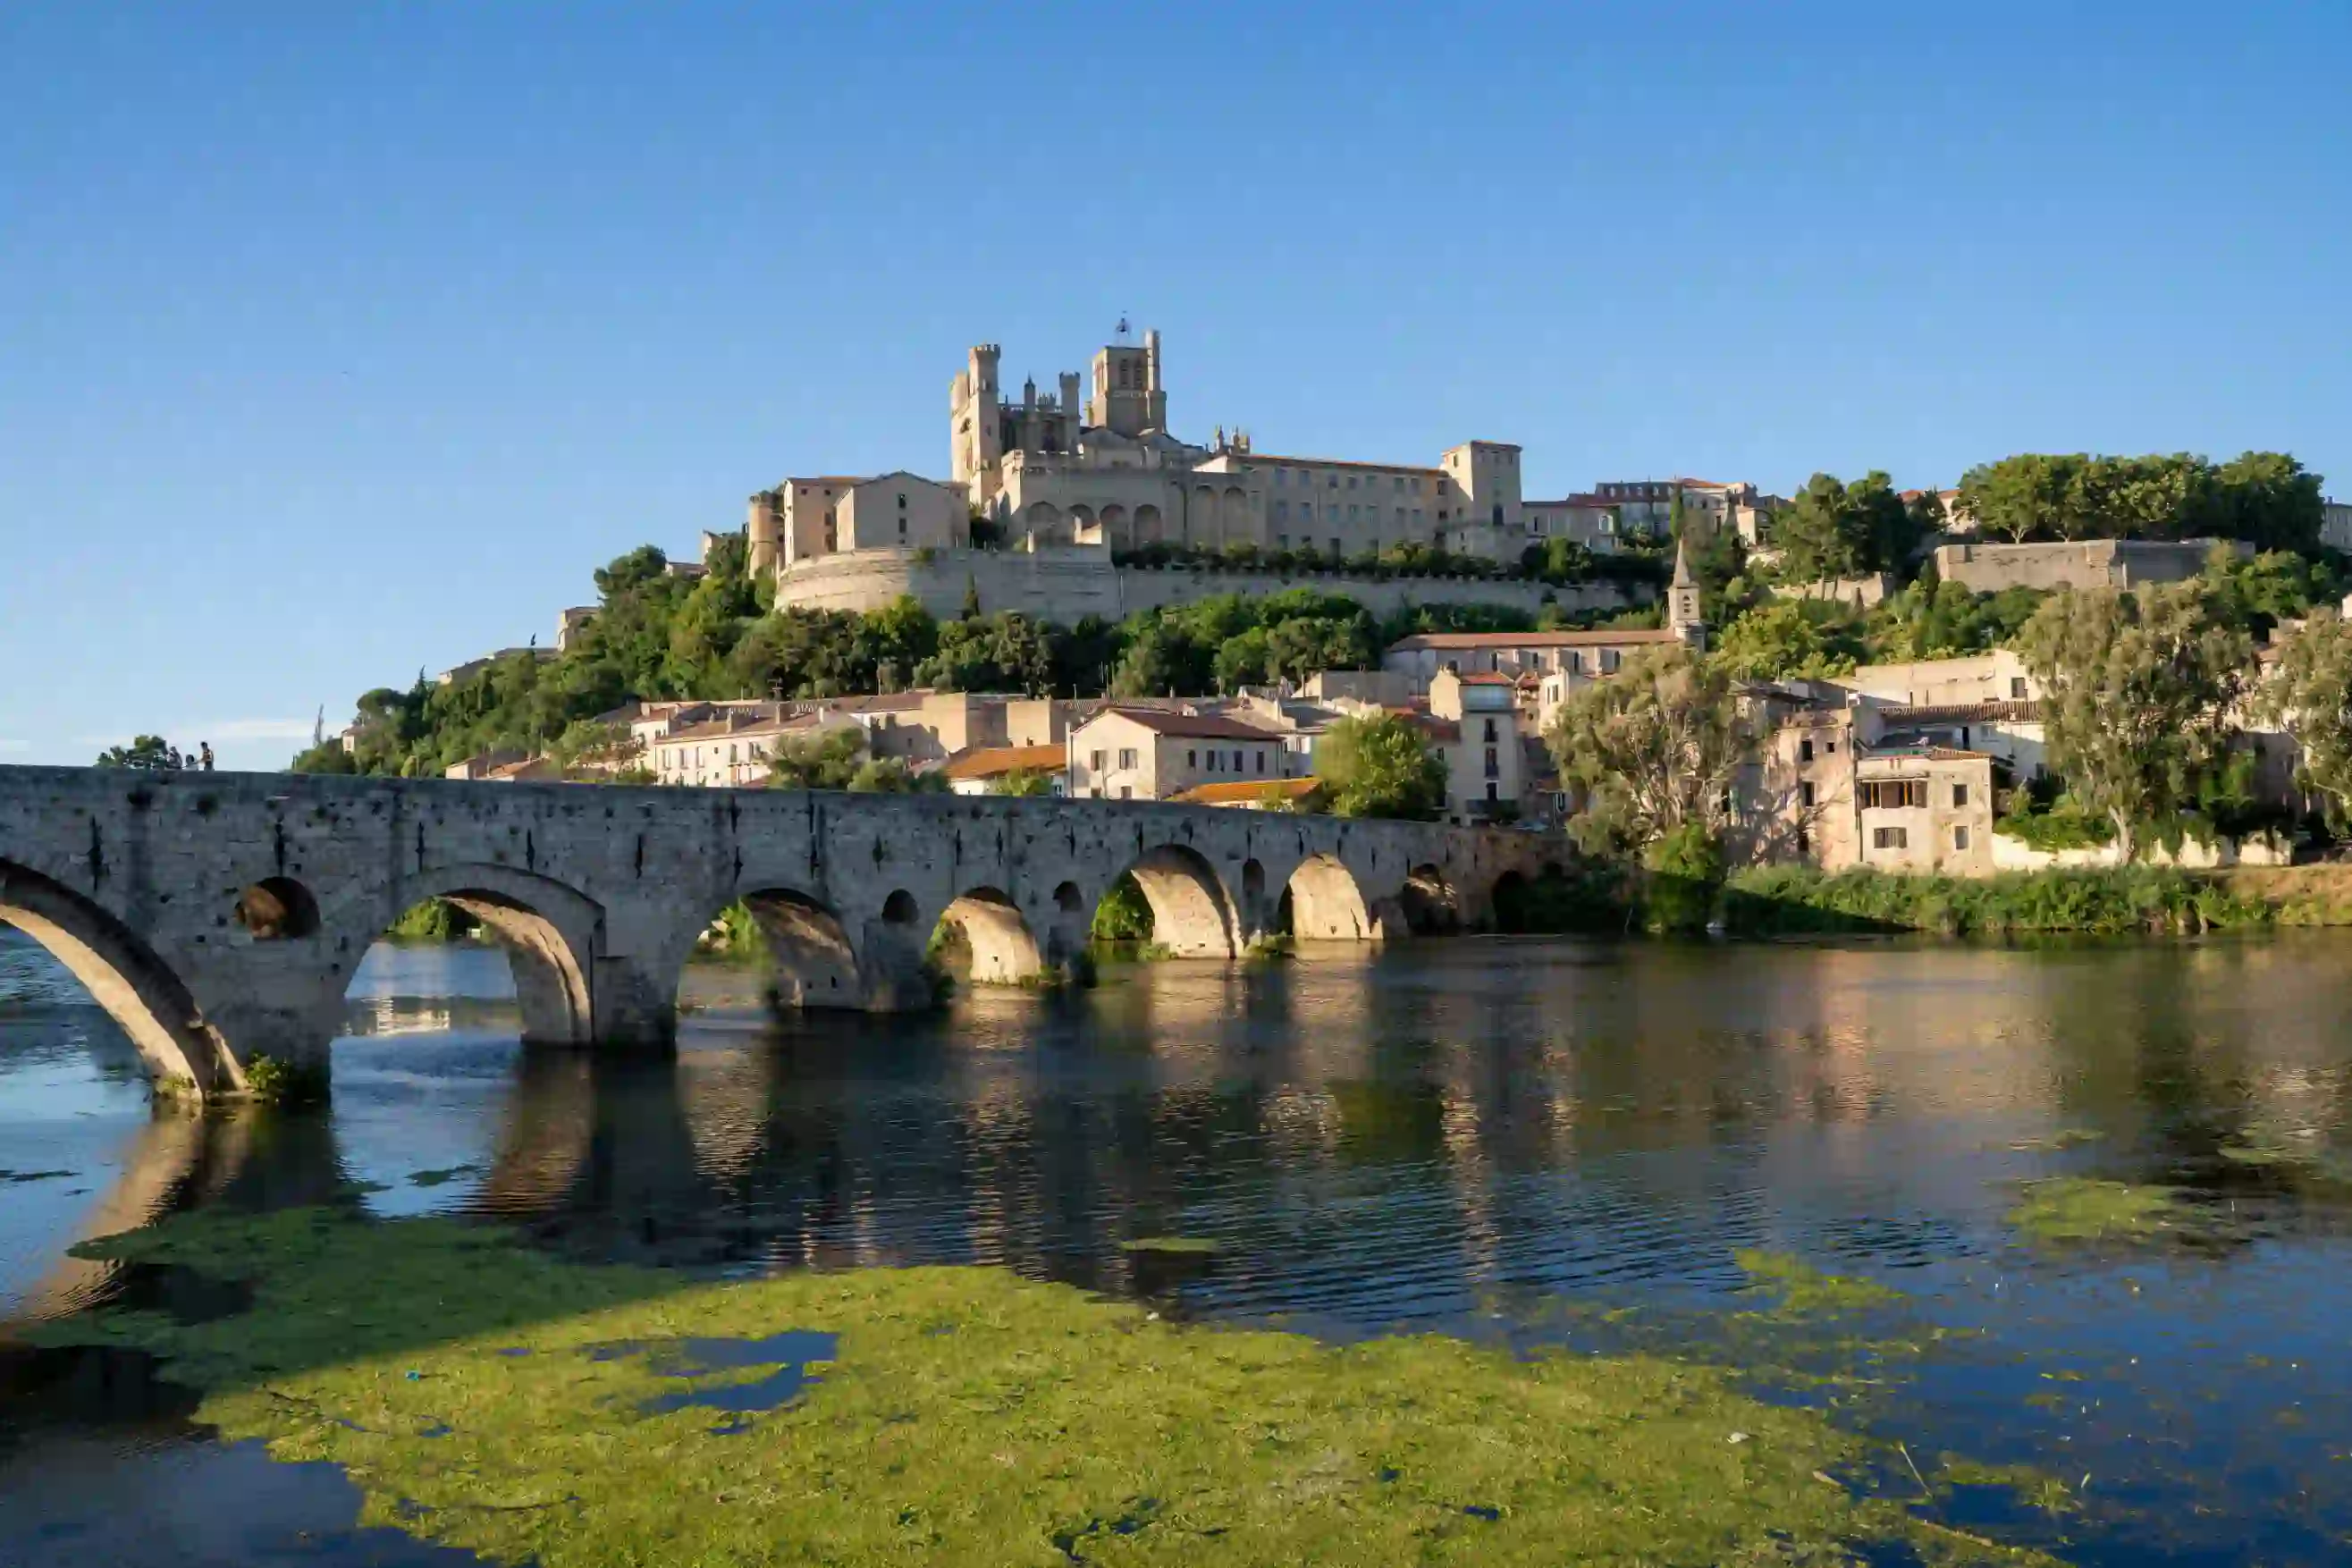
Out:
{"x": 492, "y": 1397}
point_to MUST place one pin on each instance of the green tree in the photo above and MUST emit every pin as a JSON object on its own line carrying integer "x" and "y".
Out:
{"x": 2136, "y": 692}
{"x": 2309, "y": 695}
{"x": 1658, "y": 746}
{"x": 1379, "y": 766}
{"x": 1789, "y": 639}
{"x": 150, "y": 753}
{"x": 831, "y": 760}
{"x": 1023, "y": 784}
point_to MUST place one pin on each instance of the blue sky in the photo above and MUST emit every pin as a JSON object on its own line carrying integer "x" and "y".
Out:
{"x": 339, "y": 341}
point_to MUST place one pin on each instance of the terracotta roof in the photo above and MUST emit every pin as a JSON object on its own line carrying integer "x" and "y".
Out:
{"x": 1247, "y": 791}
{"x": 1206, "y": 726}
{"x": 995, "y": 762}
{"x": 1628, "y": 635}
{"x": 1476, "y": 678}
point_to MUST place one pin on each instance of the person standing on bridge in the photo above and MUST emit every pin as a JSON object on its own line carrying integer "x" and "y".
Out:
{"x": 205, "y": 755}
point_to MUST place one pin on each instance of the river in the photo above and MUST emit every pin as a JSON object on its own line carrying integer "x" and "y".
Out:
{"x": 1515, "y": 1141}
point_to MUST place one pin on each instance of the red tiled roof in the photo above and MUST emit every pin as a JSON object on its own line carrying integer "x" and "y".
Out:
{"x": 995, "y": 762}
{"x": 1247, "y": 791}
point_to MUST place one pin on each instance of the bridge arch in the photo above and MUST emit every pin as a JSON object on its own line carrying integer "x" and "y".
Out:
{"x": 1430, "y": 902}
{"x": 550, "y": 932}
{"x": 982, "y": 934}
{"x": 812, "y": 962}
{"x": 138, "y": 990}
{"x": 1192, "y": 915}
{"x": 1326, "y": 904}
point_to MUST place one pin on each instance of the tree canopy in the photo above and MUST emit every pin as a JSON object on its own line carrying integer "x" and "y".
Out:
{"x": 1380, "y": 765}
{"x": 2267, "y": 499}
{"x": 2137, "y": 689}
{"x": 148, "y": 752}
{"x": 1657, "y": 747}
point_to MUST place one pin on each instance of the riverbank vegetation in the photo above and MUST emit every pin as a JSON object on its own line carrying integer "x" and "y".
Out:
{"x": 569, "y": 1415}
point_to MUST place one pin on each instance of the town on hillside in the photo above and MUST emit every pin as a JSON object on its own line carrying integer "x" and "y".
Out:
{"x": 1090, "y": 605}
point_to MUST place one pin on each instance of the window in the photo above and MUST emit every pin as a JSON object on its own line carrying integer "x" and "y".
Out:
{"x": 1335, "y": 543}
{"x": 1805, "y": 793}
{"x": 902, "y": 503}
{"x": 1890, "y": 838}
{"x": 1351, "y": 481}
{"x": 1237, "y": 762}
{"x": 1126, "y": 756}
{"x": 1282, "y": 511}
{"x": 1959, "y": 839}
{"x": 1961, "y": 794}
{"x": 1126, "y": 791}
{"x": 1260, "y": 761}
{"x": 1213, "y": 762}
{"x": 1282, "y": 542}
{"x": 1829, "y": 748}
{"x": 1493, "y": 794}
{"x": 1893, "y": 794}
{"x": 902, "y": 526}
{"x": 2017, "y": 689}
{"x": 1191, "y": 759}
{"x": 1610, "y": 659}
{"x": 1805, "y": 753}
{"x": 1494, "y": 763}
{"x": 1351, "y": 514}
{"x": 1490, "y": 731}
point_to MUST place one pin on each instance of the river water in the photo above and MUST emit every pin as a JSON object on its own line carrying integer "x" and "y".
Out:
{"x": 1488, "y": 1137}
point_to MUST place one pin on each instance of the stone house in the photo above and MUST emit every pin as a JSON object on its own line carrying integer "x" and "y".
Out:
{"x": 1154, "y": 753}
{"x": 1987, "y": 568}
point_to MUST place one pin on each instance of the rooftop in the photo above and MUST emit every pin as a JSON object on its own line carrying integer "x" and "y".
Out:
{"x": 1203, "y": 726}
{"x": 996, "y": 761}
{"x": 1247, "y": 791}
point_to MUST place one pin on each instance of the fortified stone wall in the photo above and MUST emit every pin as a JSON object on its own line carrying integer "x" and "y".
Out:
{"x": 2085, "y": 563}
{"x": 1066, "y": 585}
{"x": 219, "y": 917}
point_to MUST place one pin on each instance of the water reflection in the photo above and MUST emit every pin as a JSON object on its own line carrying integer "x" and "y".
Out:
{"x": 1461, "y": 1137}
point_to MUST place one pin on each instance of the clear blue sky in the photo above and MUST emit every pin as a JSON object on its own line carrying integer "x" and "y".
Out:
{"x": 341, "y": 340}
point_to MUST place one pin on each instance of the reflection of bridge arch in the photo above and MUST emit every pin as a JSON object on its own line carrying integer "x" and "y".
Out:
{"x": 123, "y": 975}
{"x": 550, "y": 932}
{"x": 812, "y": 962}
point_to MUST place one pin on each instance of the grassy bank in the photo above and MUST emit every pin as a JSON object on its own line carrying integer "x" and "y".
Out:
{"x": 549, "y": 1412}
{"x": 1599, "y": 898}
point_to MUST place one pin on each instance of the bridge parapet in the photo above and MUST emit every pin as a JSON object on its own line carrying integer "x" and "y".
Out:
{"x": 219, "y": 917}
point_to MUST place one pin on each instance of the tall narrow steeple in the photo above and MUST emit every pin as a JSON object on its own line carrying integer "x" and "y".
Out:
{"x": 1683, "y": 617}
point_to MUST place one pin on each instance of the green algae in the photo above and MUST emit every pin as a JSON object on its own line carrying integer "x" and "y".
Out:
{"x": 1802, "y": 1290}
{"x": 2083, "y": 1209}
{"x": 966, "y": 1416}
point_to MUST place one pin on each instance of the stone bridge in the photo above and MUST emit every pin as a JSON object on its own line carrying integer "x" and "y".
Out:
{"x": 219, "y": 917}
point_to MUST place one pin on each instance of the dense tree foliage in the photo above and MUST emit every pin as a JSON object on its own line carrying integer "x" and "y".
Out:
{"x": 151, "y": 753}
{"x": 1833, "y": 530}
{"x": 1654, "y": 748}
{"x": 1380, "y": 767}
{"x": 2137, "y": 692}
{"x": 1789, "y": 638}
{"x": 2309, "y": 695}
{"x": 2265, "y": 498}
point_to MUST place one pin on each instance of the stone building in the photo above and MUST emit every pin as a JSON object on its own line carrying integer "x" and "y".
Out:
{"x": 1827, "y": 796}
{"x": 1155, "y": 754}
{"x": 1473, "y": 722}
